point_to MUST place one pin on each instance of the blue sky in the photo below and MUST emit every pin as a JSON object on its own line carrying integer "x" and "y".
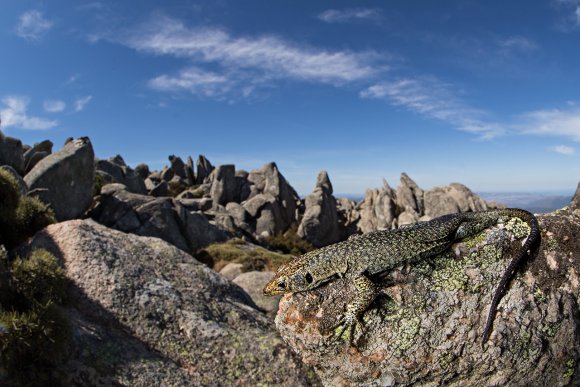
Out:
{"x": 486, "y": 93}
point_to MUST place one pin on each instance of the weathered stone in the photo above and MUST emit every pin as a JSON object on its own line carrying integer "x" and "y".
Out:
{"x": 319, "y": 224}
{"x": 121, "y": 173}
{"x": 253, "y": 283}
{"x": 36, "y": 153}
{"x": 142, "y": 170}
{"x": 65, "y": 179}
{"x": 189, "y": 174}
{"x": 378, "y": 210}
{"x": 575, "y": 203}
{"x": 409, "y": 194}
{"x": 223, "y": 187}
{"x": 11, "y": 153}
{"x": 408, "y": 216}
{"x": 283, "y": 210}
{"x": 110, "y": 189}
{"x": 348, "y": 217}
{"x": 161, "y": 189}
{"x": 177, "y": 166}
{"x": 427, "y": 330}
{"x": 231, "y": 270}
{"x": 204, "y": 168}
{"x": 451, "y": 199}
{"x": 194, "y": 321}
{"x": 201, "y": 204}
{"x": 167, "y": 174}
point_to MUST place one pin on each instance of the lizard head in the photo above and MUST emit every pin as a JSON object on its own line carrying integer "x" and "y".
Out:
{"x": 291, "y": 277}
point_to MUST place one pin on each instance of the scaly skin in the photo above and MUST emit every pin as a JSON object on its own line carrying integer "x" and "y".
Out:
{"x": 364, "y": 255}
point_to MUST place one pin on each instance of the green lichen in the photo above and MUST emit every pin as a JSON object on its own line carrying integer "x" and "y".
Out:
{"x": 539, "y": 295}
{"x": 406, "y": 324}
{"x": 445, "y": 358}
{"x": 518, "y": 227}
{"x": 551, "y": 244}
{"x": 570, "y": 368}
{"x": 475, "y": 240}
{"x": 550, "y": 329}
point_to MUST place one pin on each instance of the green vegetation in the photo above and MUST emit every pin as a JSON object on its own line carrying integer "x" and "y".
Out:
{"x": 252, "y": 257}
{"x": 20, "y": 217}
{"x": 34, "y": 332}
{"x": 289, "y": 243}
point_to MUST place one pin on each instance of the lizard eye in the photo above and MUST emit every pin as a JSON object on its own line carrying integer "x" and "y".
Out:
{"x": 308, "y": 278}
{"x": 281, "y": 285}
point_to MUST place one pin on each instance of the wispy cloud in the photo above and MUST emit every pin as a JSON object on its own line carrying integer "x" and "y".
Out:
{"x": 553, "y": 122}
{"x": 14, "y": 114}
{"x": 562, "y": 149}
{"x": 81, "y": 102}
{"x": 434, "y": 99}
{"x": 518, "y": 43}
{"x": 265, "y": 57}
{"x": 54, "y": 106}
{"x": 32, "y": 25}
{"x": 571, "y": 20}
{"x": 349, "y": 15}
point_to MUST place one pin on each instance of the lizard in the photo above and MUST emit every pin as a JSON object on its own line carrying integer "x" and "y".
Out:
{"x": 361, "y": 257}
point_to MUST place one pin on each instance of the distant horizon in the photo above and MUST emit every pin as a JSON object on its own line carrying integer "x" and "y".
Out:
{"x": 475, "y": 92}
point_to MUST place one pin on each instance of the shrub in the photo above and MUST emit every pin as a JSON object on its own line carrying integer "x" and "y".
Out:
{"x": 20, "y": 217}
{"x": 289, "y": 243}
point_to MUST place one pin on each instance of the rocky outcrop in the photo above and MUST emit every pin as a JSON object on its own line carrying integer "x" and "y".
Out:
{"x": 451, "y": 199}
{"x": 146, "y": 313}
{"x": 204, "y": 168}
{"x": 378, "y": 210}
{"x": 426, "y": 329}
{"x": 114, "y": 170}
{"x": 253, "y": 282}
{"x": 319, "y": 224}
{"x": 163, "y": 217}
{"x": 409, "y": 199}
{"x": 224, "y": 187}
{"x": 575, "y": 203}
{"x": 11, "y": 153}
{"x": 36, "y": 153}
{"x": 64, "y": 180}
{"x": 271, "y": 201}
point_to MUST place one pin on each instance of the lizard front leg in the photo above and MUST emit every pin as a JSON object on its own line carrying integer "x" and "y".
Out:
{"x": 366, "y": 292}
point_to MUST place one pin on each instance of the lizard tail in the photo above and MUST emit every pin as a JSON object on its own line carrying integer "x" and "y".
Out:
{"x": 531, "y": 241}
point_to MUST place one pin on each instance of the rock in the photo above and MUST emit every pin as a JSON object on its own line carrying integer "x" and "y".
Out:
{"x": 177, "y": 166}
{"x": 204, "y": 168}
{"x": 575, "y": 203}
{"x": 409, "y": 194}
{"x": 121, "y": 173}
{"x": 253, "y": 282}
{"x": 167, "y": 174}
{"x": 408, "y": 216}
{"x": 189, "y": 174}
{"x": 110, "y": 189}
{"x": 426, "y": 329}
{"x": 22, "y": 187}
{"x": 176, "y": 186}
{"x": 319, "y": 225}
{"x": 160, "y": 190}
{"x": 348, "y": 217}
{"x": 202, "y": 204}
{"x": 39, "y": 151}
{"x": 378, "y": 210}
{"x": 279, "y": 201}
{"x": 11, "y": 153}
{"x": 65, "y": 179}
{"x": 182, "y": 315}
{"x": 224, "y": 187}
{"x": 231, "y": 270}
{"x": 142, "y": 170}
{"x": 159, "y": 217}
{"x": 451, "y": 199}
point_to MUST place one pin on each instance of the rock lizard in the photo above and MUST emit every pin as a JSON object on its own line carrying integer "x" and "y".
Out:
{"x": 361, "y": 257}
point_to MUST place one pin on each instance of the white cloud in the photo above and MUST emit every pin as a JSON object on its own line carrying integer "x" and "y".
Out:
{"x": 554, "y": 122}
{"x": 192, "y": 79}
{"x": 267, "y": 56}
{"x": 562, "y": 149}
{"x": 54, "y": 106}
{"x": 348, "y": 15}
{"x": 81, "y": 102}
{"x": 14, "y": 114}
{"x": 518, "y": 43}
{"x": 32, "y": 25}
{"x": 432, "y": 98}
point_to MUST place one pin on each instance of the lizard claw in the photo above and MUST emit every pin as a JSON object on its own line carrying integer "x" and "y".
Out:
{"x": 348, "y": 321}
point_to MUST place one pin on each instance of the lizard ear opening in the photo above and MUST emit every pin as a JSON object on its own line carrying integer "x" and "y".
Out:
{"x": 309, "y": 278}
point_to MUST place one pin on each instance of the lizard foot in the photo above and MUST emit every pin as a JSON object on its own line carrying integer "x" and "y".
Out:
{"x": 348, "y": 321}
